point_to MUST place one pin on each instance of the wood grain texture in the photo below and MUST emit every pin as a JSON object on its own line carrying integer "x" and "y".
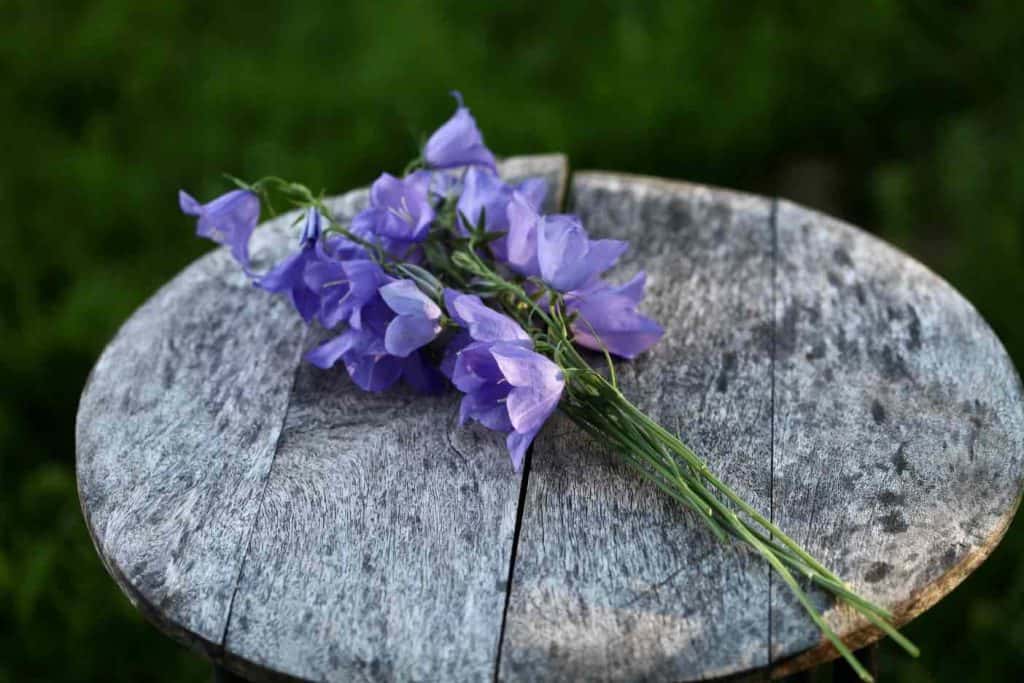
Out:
{"x": 613, "y": 580}
{"x": 176, "y": 431}
{"x": 899, "y": 429}
{"x": 382, "y": 548}
{"x": 289, "y": 525}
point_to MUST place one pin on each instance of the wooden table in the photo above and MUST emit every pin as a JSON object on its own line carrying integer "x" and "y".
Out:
{"x": 282, "y": 522}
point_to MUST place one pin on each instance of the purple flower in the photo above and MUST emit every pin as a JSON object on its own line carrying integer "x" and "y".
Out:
{"x": 229, "y": 219}
{"x": 557, "y": 248}
{"x": 418, "y": 319}
{"x": 521, "y": 242}
{"x": 367, "y": 361}
{"x": 400, "y": 212}
{"x": 608, "y": 318}
{"x": 485, "y": 196}
{"x": 481, "y": 322}
{"x": 458, "y": 142}
{"x": 289, "y": 274}
{"x": 364, "y": 352}
{"x": 568, "y": 259}
{"x": 345, "y": 289}
{"x": 508, "y": 387}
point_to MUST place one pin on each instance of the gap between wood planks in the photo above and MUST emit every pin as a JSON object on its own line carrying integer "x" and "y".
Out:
{"x": 263, "y": 491}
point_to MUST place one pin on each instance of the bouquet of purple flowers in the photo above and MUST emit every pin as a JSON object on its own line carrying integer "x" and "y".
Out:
{"x": 452, "y": 277}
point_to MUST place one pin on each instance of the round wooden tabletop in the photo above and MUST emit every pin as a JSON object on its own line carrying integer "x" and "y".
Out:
{"x": 287, "y": 524}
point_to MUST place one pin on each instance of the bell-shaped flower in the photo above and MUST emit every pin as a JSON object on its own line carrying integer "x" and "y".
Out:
{"x": 289, "y": 275}
{"x": 458, "y": 142}
{"x": 485, "y": 197}
{"x": 400, "y": 212}
{"x": 607, "y": 319}
{"x": 417, "y": 321}
{"x": 483, "y": 323}
{"x": 229, "y": 220}
{"x": 567, "y": 258}
{"x": 344, "y": 288}
{"x": 364, "y": 353}
{"x": 508, "y": 388}
{"x": 556, "y": 247}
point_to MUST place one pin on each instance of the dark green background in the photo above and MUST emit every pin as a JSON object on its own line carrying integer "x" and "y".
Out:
{"x": 906, "y": 118}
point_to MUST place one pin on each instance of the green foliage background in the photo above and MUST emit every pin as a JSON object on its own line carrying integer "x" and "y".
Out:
{"x": 904, "y": 117}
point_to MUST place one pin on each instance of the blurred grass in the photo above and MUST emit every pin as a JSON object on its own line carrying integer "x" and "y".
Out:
{"x": 904, "y": 117}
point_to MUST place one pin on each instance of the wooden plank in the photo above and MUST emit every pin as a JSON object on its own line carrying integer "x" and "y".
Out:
{"x": 613, "y": 580}
{"x": 899, "y": 428}
{"x": 176, "y": 431}
{"x": 383, "y": 544}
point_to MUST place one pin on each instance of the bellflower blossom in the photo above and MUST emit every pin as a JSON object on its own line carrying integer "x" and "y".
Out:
{"x": 290, "y": 274}
{"x": 229, "y": 220}
{"x": 508, "y": 387}
{"x": 400, "y": 212}
{"x": 344, "y": 288}
{"x": 557, "y": 249}
{"x": 418, "y": 319}
{"x": 364, "y": 352}
{"x": 485, "y": 196}
{"x": 458, "y": 142}
{"x": 608, "y": 319}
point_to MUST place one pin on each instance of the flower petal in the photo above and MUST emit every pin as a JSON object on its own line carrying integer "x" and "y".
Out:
{"x": 538, "y": 385}
{"x": 534, "y": 190}
{"x": 521, "y": 243}
{"x": 188, "y": 203}
{"x": 451, "y": 352}
{"x": 517, "y": 444}
{"x": 421, "y": 376}
{"x": 610, "y": 320}
{"x": 407, "y": 333}
{"x": 405, "y": 298}
{"x": 483, "y": 323}
{"x": 458, "y": 142}
{"x": 328, "y": 353}
{"x": 603, "y": 254}
{"x": 561, "y": 252}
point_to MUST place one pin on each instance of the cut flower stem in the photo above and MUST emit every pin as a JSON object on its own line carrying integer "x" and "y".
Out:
{"x": 596, "y": 404}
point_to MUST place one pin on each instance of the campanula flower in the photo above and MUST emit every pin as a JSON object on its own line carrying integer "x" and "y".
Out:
{"x": 557, "y": 248}
{"x": 417, "y": 321}
{"x": 508, "y": 387}
{"x": 345, "y": 289}
{"x": 608, "y": 319}
{"x": 364, "y": 353}
{"x": 568, "y": 259}
{"x": 481, "y": 322}
{"x": 400, "y": 212}
{"x": 229, "y": 219}
{"x": 458, "y": 142}
{"x": 289, "y": 275}
{"x": 485, "y": 196}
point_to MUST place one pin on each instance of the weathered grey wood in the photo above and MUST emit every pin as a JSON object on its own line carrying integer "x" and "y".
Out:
{"x": 613, "y": 580}
{"x": 899, "y": 429}
{"x": 176, "y": 431}
{"x": 285, "y": 524}
{"x": 382, "y": 547}
{"x": 179, "y": 423}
